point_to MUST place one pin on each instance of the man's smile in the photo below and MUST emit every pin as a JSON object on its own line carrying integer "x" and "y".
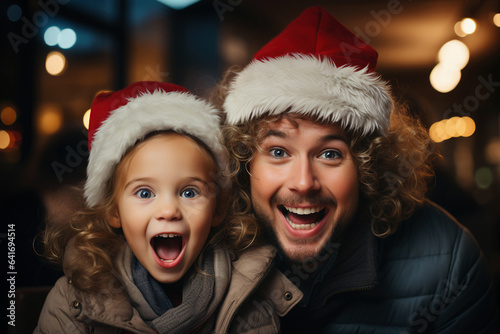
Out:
{"x": 302, "y": 218}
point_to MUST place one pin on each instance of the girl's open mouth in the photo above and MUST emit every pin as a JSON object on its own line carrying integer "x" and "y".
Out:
{"x": 168, "y": 247}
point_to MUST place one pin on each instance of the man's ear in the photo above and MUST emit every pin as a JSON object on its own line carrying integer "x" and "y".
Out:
{"x": 114, "y": 218}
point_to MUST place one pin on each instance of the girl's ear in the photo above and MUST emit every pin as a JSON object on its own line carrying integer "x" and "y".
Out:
{"x": 114, "y": 218}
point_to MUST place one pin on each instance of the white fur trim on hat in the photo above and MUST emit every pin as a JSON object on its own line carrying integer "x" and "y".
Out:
{"x": 149, "y": 112}
{"x": 309, "y": 86}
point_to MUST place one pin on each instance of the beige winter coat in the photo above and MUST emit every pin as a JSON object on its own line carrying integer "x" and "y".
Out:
{"x": 69, "y": 310}
{"x": 255, "y": 298}
{"x": 258, "y": 295}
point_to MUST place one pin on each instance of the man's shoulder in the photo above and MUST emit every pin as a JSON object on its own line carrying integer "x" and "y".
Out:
{"x": 431, "y": 232}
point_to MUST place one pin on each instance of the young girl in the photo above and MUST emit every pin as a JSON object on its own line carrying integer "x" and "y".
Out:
{"x": 144, "y": 257}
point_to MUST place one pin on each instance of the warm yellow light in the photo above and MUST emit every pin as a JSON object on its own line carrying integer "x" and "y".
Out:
{"x": 452, "y": 127}
{"x": 444, "y": 78}
{"x": 468, "y": 25}
{"x": 50, "y": 120}
{"x": 454, "y": 54}
{"x": 441, "y": 130}
{"x": 470, "y": 126}
{"x": 496, "y": 19}
{"x": 55, "y": 64}
{"x": 86, "y": 119}
{"x": 8, "y": 115}
{"x": 458, "y": 29}
{"x": 460, "y": 127}
{"x": 433, "y": 134}
{"x": 4, "y": 139}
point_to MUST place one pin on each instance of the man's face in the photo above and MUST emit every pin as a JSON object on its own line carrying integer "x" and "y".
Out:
{"x": 304, "y": 185}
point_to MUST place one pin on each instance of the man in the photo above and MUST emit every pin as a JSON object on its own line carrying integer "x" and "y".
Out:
{"x": 335, "y": 174}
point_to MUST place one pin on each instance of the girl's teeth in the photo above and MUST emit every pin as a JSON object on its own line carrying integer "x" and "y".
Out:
{"x": 168, "y": 235}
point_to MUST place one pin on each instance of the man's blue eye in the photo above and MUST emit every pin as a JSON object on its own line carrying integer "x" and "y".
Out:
{"x": 144, "y": 193}
{"x": 278, "y": 153}
{"x": 189, "y": 193}
{"x": 331, "y": 154}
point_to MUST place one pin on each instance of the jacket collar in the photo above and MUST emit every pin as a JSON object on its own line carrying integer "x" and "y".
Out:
{"x": 354, "y": 269}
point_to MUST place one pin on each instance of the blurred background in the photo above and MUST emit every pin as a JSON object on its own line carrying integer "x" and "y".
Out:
{"x": 441, "y": 57}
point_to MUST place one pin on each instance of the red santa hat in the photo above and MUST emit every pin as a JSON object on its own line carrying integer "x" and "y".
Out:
{"x": 316, "y": 67}
{"x": 118, "y": 120}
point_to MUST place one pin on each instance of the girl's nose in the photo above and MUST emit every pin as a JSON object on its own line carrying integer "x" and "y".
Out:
{"x": 168, "y": 210}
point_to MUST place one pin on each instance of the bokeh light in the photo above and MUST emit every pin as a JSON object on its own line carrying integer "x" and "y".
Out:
{"x": 483, "y": 177}
{"x": 14, "y": 13}
{"x": 49, "y": 120}
{"x": 67, "y": 38}
{"x": 8, "y": 116}
{"x": 458, "y": 29}
{"x": 470, "y": 127}
{"x": 468, "y": 25}
{"x": 51, "y": 36}
{"x": 444, "y": 78}
{"x": 454, "y": 54}
{"x": 496, "y": 19}
{"x": 55, "y": 64}
{"x": 4, "y": 139}
{"x": 452, "y": 127}
{"x": 86, "y": 119}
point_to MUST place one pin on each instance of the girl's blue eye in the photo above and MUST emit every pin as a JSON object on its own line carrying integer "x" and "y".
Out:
{"x": 278, "y": 153}
{"x": 331, "y": 154}
{"x": 189, "y": 193}
{"x": 144, "y": 193}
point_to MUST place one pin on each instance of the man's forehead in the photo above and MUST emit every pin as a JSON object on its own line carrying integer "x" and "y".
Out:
{"x": 293, "y": 121}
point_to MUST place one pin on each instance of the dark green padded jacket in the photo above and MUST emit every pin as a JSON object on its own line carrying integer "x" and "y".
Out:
{"x": 429, "y": 277}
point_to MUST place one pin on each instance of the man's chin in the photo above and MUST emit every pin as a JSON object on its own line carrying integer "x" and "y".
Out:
{"x": 300, "y": 253}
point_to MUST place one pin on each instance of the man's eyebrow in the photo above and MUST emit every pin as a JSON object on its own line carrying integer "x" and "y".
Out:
{"x": 275, "y": 133}
{"x": 328, "y": 137}
{"x": 334, "y": 136}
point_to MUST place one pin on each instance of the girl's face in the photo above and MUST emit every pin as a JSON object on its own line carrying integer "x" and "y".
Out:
{"x": 167, "y": 203}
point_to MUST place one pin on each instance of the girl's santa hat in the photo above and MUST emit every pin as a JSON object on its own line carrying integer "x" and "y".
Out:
{"x": 316, "y": 67}
{"x": 118, "y": 120}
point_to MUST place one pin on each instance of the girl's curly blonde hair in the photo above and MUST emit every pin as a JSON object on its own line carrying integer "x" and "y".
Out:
{"x": 95, "y": 243}
{"x": 394, "y": 169}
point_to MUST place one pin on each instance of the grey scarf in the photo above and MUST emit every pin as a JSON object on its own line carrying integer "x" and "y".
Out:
{"x": 197, "y": 294}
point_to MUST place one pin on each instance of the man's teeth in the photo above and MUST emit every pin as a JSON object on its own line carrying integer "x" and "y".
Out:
{"x": 301, "y": 211}
{"x": 301, "y": 226}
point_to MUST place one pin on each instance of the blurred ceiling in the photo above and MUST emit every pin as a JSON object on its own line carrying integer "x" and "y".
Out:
{"x": 407, "y": 34}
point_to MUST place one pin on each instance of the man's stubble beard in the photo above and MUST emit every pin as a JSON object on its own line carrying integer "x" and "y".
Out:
{"x": 297, "y": 256}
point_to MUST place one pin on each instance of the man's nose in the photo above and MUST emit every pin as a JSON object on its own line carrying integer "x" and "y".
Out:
{"x": 303, "y": 177}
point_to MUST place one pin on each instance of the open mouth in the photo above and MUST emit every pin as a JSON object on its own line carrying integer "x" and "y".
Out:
{"x": 302, "y": 218}
{"x": 167, "y": 246}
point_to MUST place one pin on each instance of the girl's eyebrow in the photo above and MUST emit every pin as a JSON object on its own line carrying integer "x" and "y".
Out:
{"x": 148, "y": 179}
{"x": 139, "y": 179}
